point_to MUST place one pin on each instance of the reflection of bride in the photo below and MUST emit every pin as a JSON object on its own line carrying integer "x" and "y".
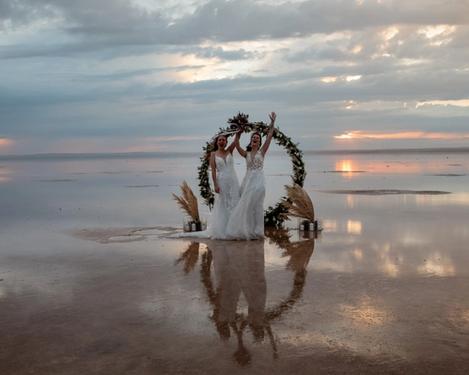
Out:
{"x": 239, "y": 268}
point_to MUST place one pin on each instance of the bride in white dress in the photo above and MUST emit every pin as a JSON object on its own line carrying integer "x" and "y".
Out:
{"x": 247, "y": 219}
{"x": 226, "y": 186}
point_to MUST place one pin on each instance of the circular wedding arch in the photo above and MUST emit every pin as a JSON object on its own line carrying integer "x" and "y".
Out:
{"x": 274, "y": 215}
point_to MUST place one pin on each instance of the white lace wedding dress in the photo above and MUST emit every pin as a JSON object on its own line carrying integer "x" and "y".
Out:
{"x": 225, "y": 201}
{"x": 247, "y": 219}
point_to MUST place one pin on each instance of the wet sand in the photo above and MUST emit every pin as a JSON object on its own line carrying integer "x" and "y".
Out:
{"x": 169, "y": 306}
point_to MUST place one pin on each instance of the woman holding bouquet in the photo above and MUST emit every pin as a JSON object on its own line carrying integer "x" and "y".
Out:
{"x": 226, "y": 186}
{"x": 247, "y": 219}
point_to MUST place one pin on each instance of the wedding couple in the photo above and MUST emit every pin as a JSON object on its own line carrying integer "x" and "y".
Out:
{"x": 238, "y": 212}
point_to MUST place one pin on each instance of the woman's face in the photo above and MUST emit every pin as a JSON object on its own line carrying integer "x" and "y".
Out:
{"x": 255, "y": 140}
{"x": 221, "y": 142}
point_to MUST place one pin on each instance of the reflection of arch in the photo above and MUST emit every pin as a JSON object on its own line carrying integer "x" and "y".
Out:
{"x": 298, "y": 253}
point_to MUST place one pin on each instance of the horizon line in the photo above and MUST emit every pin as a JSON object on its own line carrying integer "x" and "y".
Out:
{"x": 144, "y": 154}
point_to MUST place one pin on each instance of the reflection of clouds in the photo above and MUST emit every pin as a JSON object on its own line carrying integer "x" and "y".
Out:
{"x": 358, "y": 254}
{"x": 350, "y": 199}
{"x": 347, "y": 167}
{"x": 388, "y": 264}
{"x": 413, "y": 239}
{"x": 366, "y": 313}
{"x": 350, "y": 166}
{"x": 354, "y": 227}
{"x": 348, "y": 225}
{"x": 454, "y": 199}
{"x": 393, "y": 251}
{"x": 329, "y": 225}
{"x": 437, "y": 265}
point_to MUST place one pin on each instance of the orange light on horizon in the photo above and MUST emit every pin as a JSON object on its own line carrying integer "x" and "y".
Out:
{"x": 358, "y": 134}
{"x": 5, "y": 142}
{"x": 346, "y": 166}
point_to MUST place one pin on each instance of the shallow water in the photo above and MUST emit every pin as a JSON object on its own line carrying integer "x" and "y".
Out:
{"x": 89, "y": 285}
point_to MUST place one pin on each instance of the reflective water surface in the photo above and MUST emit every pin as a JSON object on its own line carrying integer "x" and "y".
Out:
{"x": 89, "y": 282}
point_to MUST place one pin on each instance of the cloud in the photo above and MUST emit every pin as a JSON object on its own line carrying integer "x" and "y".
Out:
{"x": 121, "y": 22}
{"x": 456, "y": 103}
{"x": 135, "y": 70}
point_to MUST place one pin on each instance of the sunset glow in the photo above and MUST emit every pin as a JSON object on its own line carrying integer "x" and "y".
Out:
{"x": 346, "y": 167}
{"x": 5, "y": 142}
{"x": 357, "y": 134}
{"x": 350, "y": 168}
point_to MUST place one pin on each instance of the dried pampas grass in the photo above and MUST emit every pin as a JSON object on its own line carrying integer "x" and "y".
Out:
{"x": 299, "y": 203}
{"x": 188, "y": 202}
{"x": 190, "y": 257}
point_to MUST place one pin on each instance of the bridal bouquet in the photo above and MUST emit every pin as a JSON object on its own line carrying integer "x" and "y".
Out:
{"x": 239, "y": 122}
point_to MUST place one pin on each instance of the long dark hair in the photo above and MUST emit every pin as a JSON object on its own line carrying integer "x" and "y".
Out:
{"x": 249, "y": 147}
{"x": 215, "y": 142}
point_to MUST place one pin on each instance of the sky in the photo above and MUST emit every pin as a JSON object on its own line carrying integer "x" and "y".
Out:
{"x": 164, "y": 75}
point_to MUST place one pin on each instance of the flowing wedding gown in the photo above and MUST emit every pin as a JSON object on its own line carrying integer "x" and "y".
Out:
{"x": 225, "y": 201}
{"x": 247, "y": 219}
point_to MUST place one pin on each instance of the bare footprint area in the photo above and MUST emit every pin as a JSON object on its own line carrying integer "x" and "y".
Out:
{"x": 386, "y": 192}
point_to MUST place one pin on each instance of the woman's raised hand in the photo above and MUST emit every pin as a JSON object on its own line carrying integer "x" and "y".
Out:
{"x": 273, "y": 117}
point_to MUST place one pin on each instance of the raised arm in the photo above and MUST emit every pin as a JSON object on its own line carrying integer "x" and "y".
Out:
{"x": 232, "y": 145}
{"x": 213, "y": 167}
{"x": 241, "y": 150}
{"x": 270, "y": 134}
